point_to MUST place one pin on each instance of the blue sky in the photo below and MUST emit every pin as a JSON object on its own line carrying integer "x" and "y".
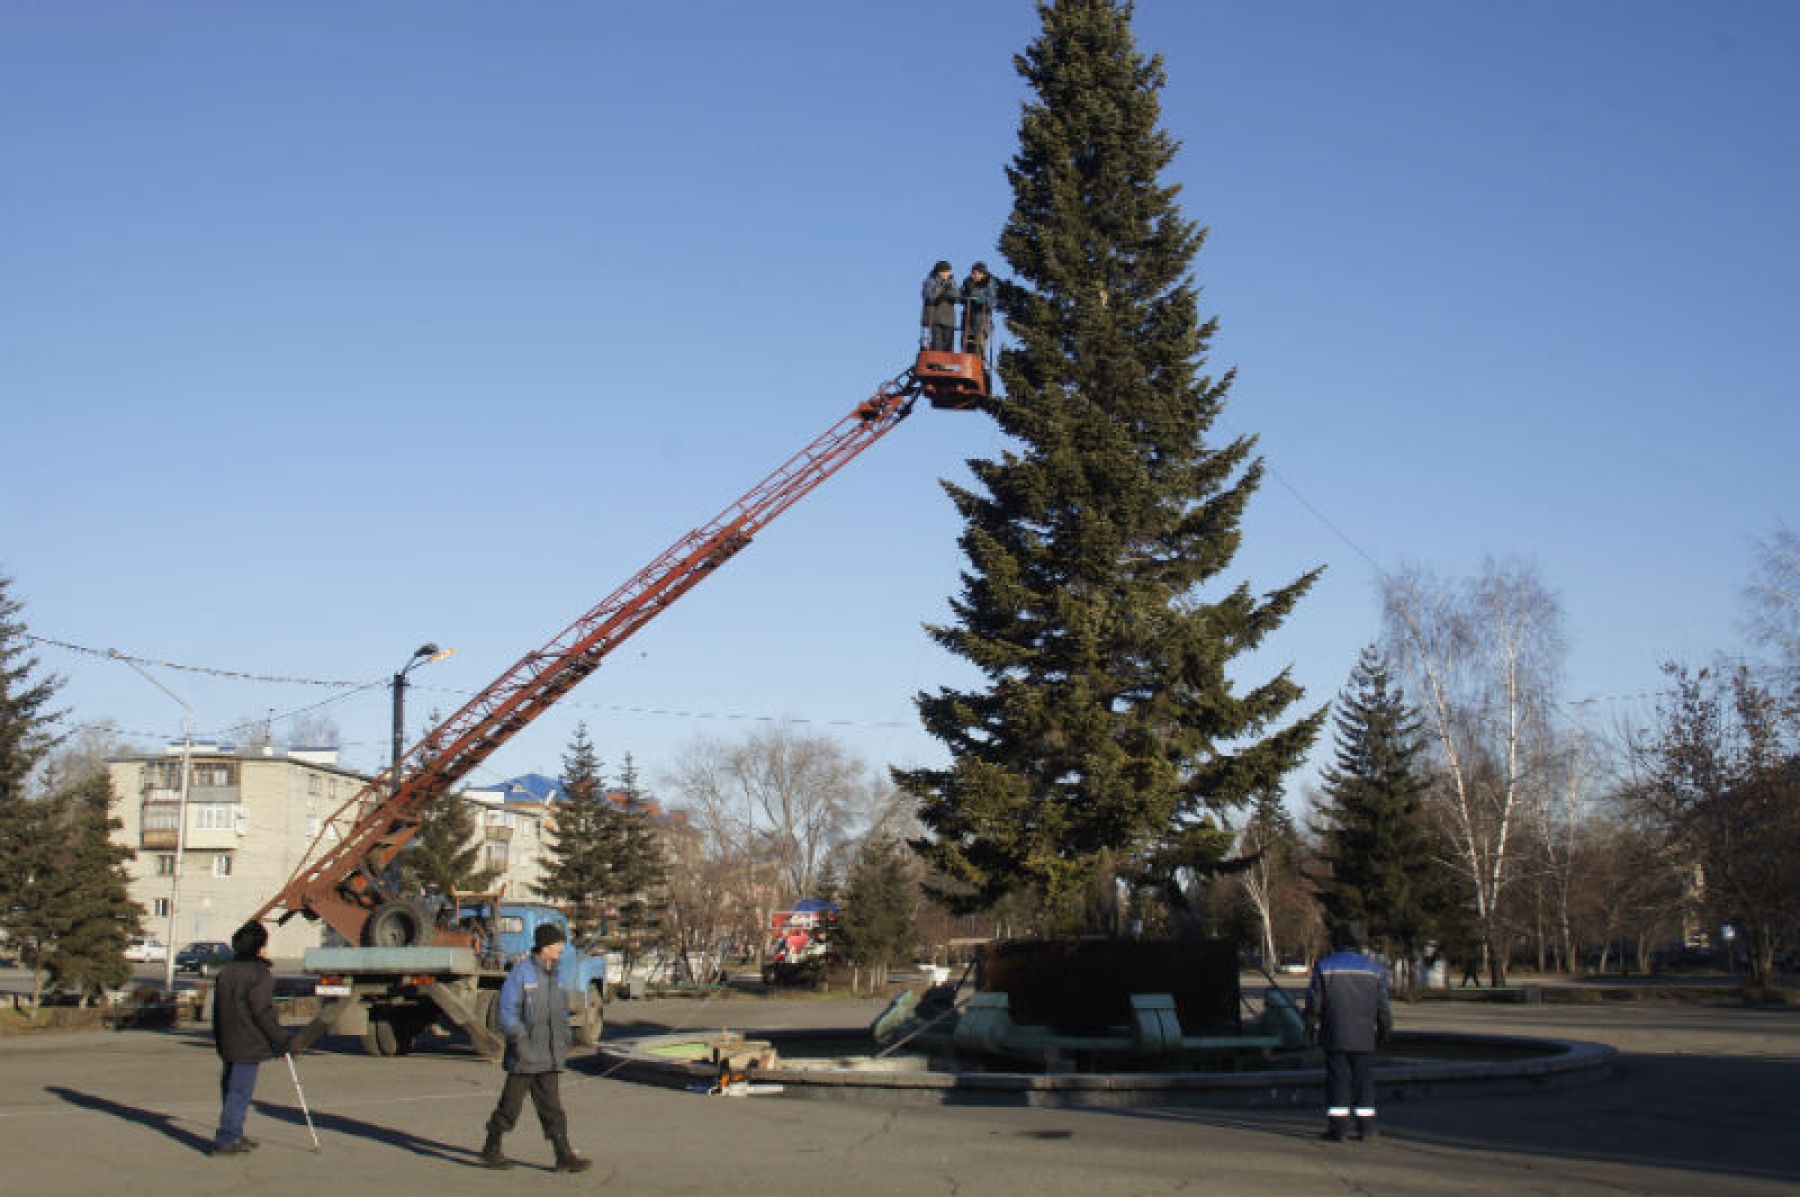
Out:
{"x": 331, "y": 329}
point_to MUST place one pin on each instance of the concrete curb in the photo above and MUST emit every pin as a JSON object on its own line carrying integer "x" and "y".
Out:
{"x": 1525, "y": 1065}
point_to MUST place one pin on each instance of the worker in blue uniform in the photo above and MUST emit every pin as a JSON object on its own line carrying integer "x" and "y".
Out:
{"x": 1347, "y": 1009}
{"x": 978, "y": 296}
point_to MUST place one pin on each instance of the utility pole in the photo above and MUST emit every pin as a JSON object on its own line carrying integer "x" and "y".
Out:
{"x": 423, "y": 655}
{"x": 187, "y": 770}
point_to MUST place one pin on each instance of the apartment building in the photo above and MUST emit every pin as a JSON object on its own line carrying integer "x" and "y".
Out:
{"x": 513, "y": 823}
{"x": 251, "y": 815}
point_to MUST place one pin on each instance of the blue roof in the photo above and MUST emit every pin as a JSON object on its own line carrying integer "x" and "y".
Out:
{"x": 531, "y": 787}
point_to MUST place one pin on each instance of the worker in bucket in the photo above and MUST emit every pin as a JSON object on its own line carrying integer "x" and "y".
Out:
{"x": 246, "y": 1031}
{"x": 535, "y": 1021}
{"x": 1347, "y": 1008}
{"x": 937, "y": 316}
{"x": 978, "y": 296}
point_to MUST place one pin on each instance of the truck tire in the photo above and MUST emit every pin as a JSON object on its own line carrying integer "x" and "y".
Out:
{"x": 381, "y": 1039}
{"x": 589, "y": 1020}
{"x": 400, "y": 924}
{"x": 409, "y": 1024}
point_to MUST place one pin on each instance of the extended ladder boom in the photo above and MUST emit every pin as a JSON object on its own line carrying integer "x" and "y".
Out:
{"x": 343, "y": 882}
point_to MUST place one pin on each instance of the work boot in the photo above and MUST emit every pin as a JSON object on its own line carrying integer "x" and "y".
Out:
{"x": 1365, "y": 1130}
{"x": 566, "y": 1158}
{"x": 491, "y": 1155}
{"x": 1335, "y": 1132}
{"x": 233, "y": 1148}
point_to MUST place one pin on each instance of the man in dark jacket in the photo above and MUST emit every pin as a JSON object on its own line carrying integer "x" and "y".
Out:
{"x": 534, "y": 1018}
{"x": 1347, "y": 1006}
{"x": 938, "y": 316}
{"x": 246, "y": 1031}
{"x": 978, "y": 296}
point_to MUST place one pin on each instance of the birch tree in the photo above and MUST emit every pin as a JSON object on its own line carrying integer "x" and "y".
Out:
{"x": 1481, "y": 658}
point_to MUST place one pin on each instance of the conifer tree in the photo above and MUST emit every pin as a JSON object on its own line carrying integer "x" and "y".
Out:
{"x": 639, "y": 881}
{"x": 577, "y": 872}
{"x": 1108, "y": 722}
{"x": 878, "y": 924}
{"x": 88, "y": 903}
{"x": 25, "y": 827}
{"x": 1375, "y": 843}
{"x": 445, "y": 855}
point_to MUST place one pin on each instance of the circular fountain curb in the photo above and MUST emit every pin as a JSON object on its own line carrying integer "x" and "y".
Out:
{"x": 1534, "y": 1065}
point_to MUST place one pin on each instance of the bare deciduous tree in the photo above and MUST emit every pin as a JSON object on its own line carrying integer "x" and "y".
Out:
{"x": 1772, "y": 599}
{"x": 1482, "y": 658}
{"x": 1722, "y": 781}
{"x": 777, "y": 809}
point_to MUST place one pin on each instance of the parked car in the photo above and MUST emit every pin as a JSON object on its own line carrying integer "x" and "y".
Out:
{"x": 202, "y": 957}
{"x": 146, "y": 951}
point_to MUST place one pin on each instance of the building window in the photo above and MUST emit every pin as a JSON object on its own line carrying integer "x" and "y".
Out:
{"x": 312, "y": 827}
{"x": 312, "y": 784}
{"x": 161, "y": 816}
{"x": 160, "y": 908}
{"x": 222, "y": 865}
{"x": 215, "y": 773}
{"x": 216, "y": 816}
{"x": 496, "y": 855}
{"x": 165, "y": 864}
{"x": 166, "y": 774}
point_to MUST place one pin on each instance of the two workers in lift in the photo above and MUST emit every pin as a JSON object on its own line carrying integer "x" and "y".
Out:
{"x": 941, "y": 296}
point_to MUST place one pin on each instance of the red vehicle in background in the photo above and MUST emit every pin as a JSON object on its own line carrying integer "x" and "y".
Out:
{"x": 805, "y": 942}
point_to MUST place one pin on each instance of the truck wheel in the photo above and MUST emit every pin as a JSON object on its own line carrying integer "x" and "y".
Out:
{"x": 380, "y": 1039}
{"x": 398, "y": 924}
{"x": 589, "y": 1020}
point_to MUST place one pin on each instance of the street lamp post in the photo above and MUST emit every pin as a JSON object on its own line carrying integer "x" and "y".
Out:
{"x": 423, "y": 655}
{"x": 187, "y": 771}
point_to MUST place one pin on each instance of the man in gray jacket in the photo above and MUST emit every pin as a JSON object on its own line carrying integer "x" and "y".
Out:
{"x": 246, "y": 1031}
{"x": 1347, "y": 1006}
{"x": 534, "y": 1017}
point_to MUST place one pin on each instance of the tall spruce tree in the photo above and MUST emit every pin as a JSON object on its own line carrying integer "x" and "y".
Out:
{"x": 1375, "y": 843}
{"x": 26, "y": 838}
{"x": 88, "y": 902}
{"x": 1108, "y": 723}
{"x": 638, "y": 887}
{"x": 577, "y": 872}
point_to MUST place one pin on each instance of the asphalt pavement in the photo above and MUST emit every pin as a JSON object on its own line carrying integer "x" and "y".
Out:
{"x": 1705, "y": 1100}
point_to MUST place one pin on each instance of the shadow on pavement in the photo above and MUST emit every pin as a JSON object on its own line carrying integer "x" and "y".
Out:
{"x": 1711, "y": 1115}
{"x": 454, "y": 1153}
{"x": 166, "y": 1123}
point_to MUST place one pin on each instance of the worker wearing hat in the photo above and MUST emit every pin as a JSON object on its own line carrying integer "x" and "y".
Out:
{"x": 978, "y": 310}
{"x": 937, "y": 319}
{"x": 534, "y": 1018}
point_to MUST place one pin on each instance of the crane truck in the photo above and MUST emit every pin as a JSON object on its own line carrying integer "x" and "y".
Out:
{"x": 407, "y": 963}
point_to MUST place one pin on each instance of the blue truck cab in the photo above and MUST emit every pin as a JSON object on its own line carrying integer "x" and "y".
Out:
{"x": 391, "y": 995}
{"x": 515, "y": 930}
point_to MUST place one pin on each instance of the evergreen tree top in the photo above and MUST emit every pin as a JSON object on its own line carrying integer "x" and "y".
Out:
{"x": 1110, "y": 728}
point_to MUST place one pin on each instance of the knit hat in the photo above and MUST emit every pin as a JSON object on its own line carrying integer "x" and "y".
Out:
{"x": 940, "y": 268}
{"x": 545, "y": 935}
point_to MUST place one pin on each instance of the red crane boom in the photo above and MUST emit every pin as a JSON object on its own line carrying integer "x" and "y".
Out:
{"x": 343, "y": 882}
